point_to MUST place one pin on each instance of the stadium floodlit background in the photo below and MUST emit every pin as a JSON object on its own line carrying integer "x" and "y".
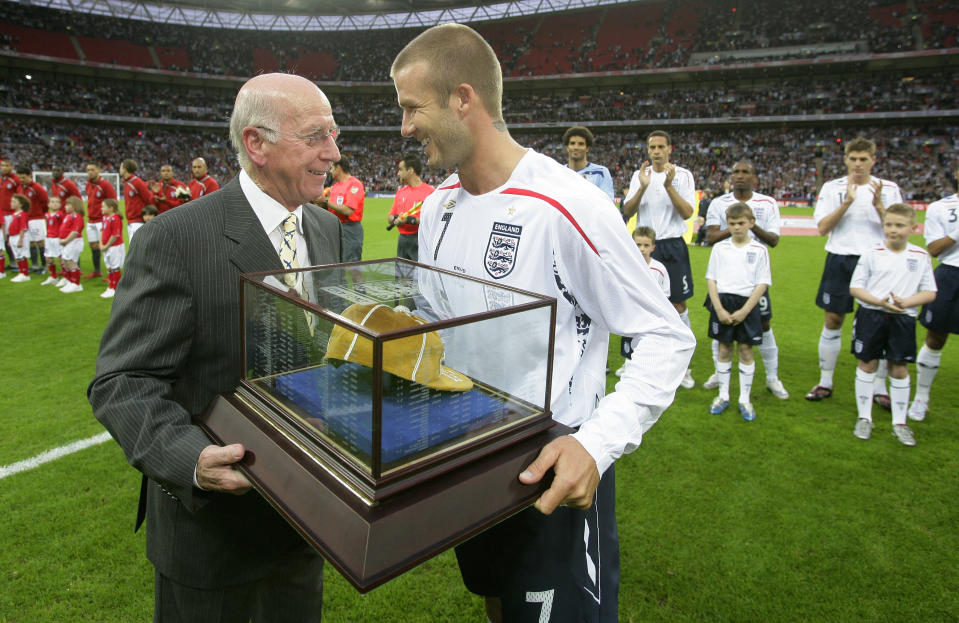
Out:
{"x": 792, "y": 520}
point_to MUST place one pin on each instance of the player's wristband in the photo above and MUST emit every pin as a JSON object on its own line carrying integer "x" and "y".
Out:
{"x": 955, "y": 234}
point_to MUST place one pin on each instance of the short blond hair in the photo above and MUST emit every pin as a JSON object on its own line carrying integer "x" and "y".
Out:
{"x": 902, "y": 209}
{"x": 456, "y": 54}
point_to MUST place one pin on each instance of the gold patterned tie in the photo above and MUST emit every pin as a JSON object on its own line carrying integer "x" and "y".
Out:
{"x": 288, "y": 249}
{"x": 290, "y": 261}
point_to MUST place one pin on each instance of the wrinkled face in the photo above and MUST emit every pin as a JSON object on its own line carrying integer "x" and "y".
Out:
{"x": 434, "y": 123}
{"x": 576, "y": 148}
{"x": 296, "y": 166}
{"x": 166, "y": 173}
{"x": 859, "y": 165}
{"x": 646, "y": 246}
{"x": 743, "y": 177}
{"x": 897, "y": 228}
{"x": 54, "y": 204}
{"x": 659, "y": 150}
{"x": 93, "y": 172}
{"x": 199, "y": 168}
{"x": 740, "y": 226}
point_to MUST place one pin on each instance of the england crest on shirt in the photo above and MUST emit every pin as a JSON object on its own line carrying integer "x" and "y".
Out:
{"x": 913, "y": 264}
{"x": 501, "y": 249}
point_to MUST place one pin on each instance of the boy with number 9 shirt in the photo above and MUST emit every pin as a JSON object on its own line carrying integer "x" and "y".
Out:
{"x": 890, "y": 282}
{"x": 737, "y": 276}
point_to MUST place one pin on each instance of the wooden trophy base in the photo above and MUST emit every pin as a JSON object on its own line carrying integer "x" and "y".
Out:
{"x": 373, "y": 542}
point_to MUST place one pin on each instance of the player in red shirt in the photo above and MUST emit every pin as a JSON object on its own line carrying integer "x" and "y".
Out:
{"x": 71, "y": 244}
{"x": 137, "y": 195}
{"x": 347, "y": 195}
{"x": 9, "y": 185}
{"x": 405, "y": 211}
{"x": 61, "y": 186}
{"x": 98, "y": 189}
{"x": 51, "y": 249}
{"x": 38, "y": 197}
{"x": 112, "y": 242}
{"x": 18, "y": 232}
{"x": 169, "y": 192}
{"x": 201, "y": 184}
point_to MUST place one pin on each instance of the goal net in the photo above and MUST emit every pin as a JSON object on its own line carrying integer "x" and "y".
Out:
{"x": 80, "y": 179}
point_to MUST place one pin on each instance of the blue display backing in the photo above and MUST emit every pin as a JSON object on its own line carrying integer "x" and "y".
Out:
{"x": 415, "y": 417}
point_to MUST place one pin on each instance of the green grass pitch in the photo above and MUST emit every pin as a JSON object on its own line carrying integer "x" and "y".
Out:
{"x": 788, "y": 518}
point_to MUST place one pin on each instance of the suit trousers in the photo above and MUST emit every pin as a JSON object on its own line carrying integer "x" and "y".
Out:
{"x": 292, "y": 595}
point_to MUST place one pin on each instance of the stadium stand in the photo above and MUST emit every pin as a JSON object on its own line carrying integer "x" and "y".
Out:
{"x": 157, "y": 102}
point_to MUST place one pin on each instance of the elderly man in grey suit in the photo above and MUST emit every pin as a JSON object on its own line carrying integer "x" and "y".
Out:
{"x": 220, "y": 552}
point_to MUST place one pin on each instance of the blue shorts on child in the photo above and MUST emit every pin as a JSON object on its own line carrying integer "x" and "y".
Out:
{"x": 878, "y": 334}
{"x": 749, "y": 331}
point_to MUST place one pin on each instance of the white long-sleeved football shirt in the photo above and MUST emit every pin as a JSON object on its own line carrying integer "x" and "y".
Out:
{"x": 549, "y": 231}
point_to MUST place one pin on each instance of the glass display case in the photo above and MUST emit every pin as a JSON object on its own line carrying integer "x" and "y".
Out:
{"x": 377, "y": 396}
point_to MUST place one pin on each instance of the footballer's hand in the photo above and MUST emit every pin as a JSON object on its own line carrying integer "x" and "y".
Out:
{"x": 644, "y": 174}
{"x": 737, "y": 317}
{"x": 215, "y": 470}
{"x": 850, "y": 194}
{"x": 876, "y": 187}
{"x": 575, "y": 475}
{"x": 670, "y": 173}
{"x": 724, "y": 316}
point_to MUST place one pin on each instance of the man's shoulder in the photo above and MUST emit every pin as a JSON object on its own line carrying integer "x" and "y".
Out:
{"x": 945, "y": 203}
{"x": 763, "y": 199}
{"x": 836, "y": 183}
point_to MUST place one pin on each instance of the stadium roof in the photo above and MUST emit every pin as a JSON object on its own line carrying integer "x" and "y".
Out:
{"x": 301, "y": 15}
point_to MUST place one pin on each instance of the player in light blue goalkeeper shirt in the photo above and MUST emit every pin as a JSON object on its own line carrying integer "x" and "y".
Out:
{"x": 578, "y": 140}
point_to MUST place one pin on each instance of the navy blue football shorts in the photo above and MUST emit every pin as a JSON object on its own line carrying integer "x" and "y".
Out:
{"x": 558, "y": 568}
{"x": 674, "y": 254}
{"x": 833, "y": 295}
{"x": 749, "y": 331}
{"x": 942, "y": 315}
{"x": 882, "y": 335}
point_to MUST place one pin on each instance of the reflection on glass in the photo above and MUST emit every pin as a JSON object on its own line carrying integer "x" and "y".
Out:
{"x": 391, "y": 365}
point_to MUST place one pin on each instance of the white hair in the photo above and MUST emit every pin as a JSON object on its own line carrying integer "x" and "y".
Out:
{"x": 253, "y": 107}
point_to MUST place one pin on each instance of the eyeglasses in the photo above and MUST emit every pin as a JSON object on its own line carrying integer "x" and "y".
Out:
{"x": 311, "y": 140}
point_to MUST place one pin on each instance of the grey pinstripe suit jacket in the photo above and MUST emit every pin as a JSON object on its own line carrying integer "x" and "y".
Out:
{"x": 171, "y": 345}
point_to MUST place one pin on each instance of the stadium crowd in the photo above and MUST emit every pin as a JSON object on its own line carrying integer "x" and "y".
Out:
{"x": 680, "y": 29}
{"x": 918, "y": 158}
{"x": 893, "y": 91}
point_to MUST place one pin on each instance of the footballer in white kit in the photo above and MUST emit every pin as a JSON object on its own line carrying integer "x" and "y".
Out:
{"x": 848, "y": 210}
{"x": 600, "y": 281}
{"x": 769, "y": 226}
{"x": 941, "y": 317}
{"x": 569, "y": 243}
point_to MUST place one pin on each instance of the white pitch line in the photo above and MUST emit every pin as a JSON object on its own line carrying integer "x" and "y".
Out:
{"x": 51, "y": 455}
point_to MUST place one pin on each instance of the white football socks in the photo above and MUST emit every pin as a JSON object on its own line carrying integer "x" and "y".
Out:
{"x": 830, "y": 343}
{"x": 879, "y": 384}
{"x": 927, "y": 364}
{"x": 769, "y": 351}
{"x": 899, "y": 396}
{"x": 864, "y": 381}
{"x": 723, "y": 372}
{"x": 746, "y": 372}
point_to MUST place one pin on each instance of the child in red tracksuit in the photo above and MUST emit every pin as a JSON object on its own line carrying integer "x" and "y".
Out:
{"x": 111, "y": 241}
{"x": 19, "y": 235}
